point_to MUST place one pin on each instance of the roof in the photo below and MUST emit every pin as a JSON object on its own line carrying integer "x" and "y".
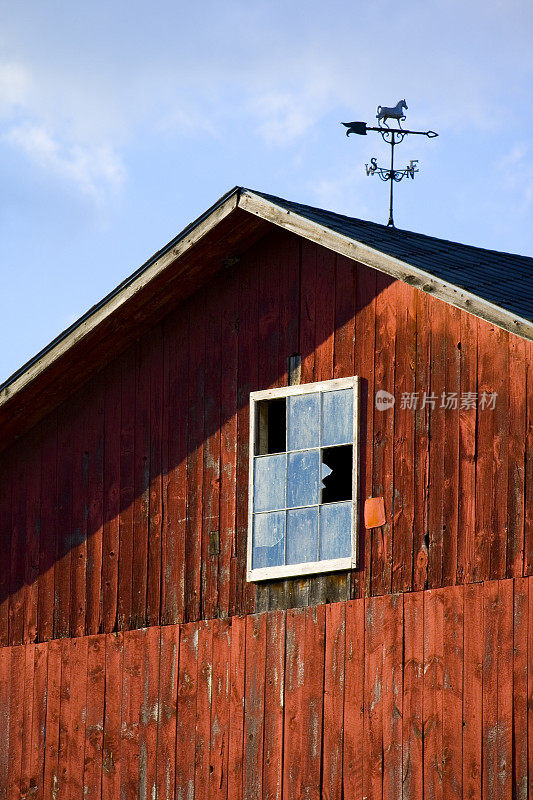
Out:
{"x": 494, "y": 286}
{"x": 501, "y": 278}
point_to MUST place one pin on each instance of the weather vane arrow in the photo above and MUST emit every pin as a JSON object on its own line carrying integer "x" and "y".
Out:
{"x": 392, "y": 136}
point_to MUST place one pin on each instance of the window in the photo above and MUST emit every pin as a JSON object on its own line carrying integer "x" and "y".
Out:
{"x": 303, "y": 479}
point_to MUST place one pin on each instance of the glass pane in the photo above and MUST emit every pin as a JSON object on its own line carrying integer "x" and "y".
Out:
{"x": 335, "y": 530}
{"x": 303, "y": 478}
{"x": 268, "y": 540}
{"x": 337, "y": 417}
{"x": 303, "y": 418}
{"x": 269, "y": 482}
{"x": 302, "y": 535}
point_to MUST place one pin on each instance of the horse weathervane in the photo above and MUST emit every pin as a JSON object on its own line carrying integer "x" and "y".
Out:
{"x": 392, "y": 136}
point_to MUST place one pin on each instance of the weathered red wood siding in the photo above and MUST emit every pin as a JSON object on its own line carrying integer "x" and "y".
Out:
{"x": 127, "y": 506}
{"x": 423, "y": 694}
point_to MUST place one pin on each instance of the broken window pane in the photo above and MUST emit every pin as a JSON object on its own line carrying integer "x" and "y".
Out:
{"x": 302, "y": 478}
{"x": 303, "y": 421}
{"x": 336, "y": 470}
{"x": 335, "y": 531}
{"x": 271, "y": 426}
{"x": 302, "y": 535}
{"x": 268, "y": 540}
{"x": 337, "y": 417}
{"x": 269, "y": 482}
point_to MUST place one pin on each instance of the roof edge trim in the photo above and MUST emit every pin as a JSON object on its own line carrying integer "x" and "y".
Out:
{"x": 414, "y": 276}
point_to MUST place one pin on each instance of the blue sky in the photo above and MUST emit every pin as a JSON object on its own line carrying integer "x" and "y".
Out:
{"x": 122, "y": 122}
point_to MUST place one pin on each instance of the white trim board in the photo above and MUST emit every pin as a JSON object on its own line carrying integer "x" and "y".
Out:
{"x": 414, "y": 276}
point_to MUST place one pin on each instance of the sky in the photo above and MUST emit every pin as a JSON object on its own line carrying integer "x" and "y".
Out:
{"x": 122, "y": 122}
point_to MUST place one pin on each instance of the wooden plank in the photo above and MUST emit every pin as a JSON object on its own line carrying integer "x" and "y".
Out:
{"x": 383, "y": 477}
{"x": 228, "y": 444}
{"x": 437, "y": 442}
{"x": 195, "y": 390}
{"x": 490, "y": 690}
{"x": 149, "y": 713}
{"x": 6, "y": 477}
{"x": 365, "y": 332}
{"x": 168, "y": 696}
{"x": 141, "y": 503}
{"x": 353, "y": 765}
{"x": 53, "y": 709}
{"x": 373, "y": 711}
{"x": 404, "y": 440}
{"x": 392, "y": 696}
{"x": 237, "y": 691}
{"x": 5, "y": 691}
{"x": 248, "y": 381}
{"x": 112, "y": 755}
{"x": 186, "y": 710}
{"x": 64, "y": 511}
{"x": 38, "y": 725}
{"x": 94, "y": 721}
{"x": 132, "y": 697}
{"x": 26, "y": 701}
{"x": 520, "y": 689}
{"x": 254, "y": 705}
{"x": 450, "y": 499}
{"x": 433, "y": 690}
{"x": 452, "y": 693}
{"x": 269, "y": 366}
{"x": 528, "y": 504}
{"x": 203, "y": 710}
{"x": 247, "y": 376}
{"x": 304, "y": 671}
{"x": 473, "y": 691}
{"x": 153, "y": 589}
{"x": 111, "y": 492}
{"x": 16, "y": 720}
{"x": 500, "y": 445}
{"x": 504, "y": 785}
{"x": 421, "y": 464}
{"x": 274, "y": 705}
{"x": 466, "y": 523}
{"x": 175, "y": 417}
{"x": 65, "y": 713}
{"x": 17, "y": 589}
{"x": 334, "y": 687}
{"x": 72, "y": 784}
{"x": 530, "y": 678}
{"x": 95, "y": 402}
{"x": 211, "y": 455}
{"x": 78, "y": 535}
{"x": 220, "y": 707}
{"x": 33, "y": 531}
{"x": 485, "y": 457}
{"x": 413, "y": 696}
{"x": 517, "y": 439}
{"x": 127, "y": 490}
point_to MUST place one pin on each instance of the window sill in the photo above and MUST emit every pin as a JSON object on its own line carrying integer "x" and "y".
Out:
{"x": 300, "y": 570}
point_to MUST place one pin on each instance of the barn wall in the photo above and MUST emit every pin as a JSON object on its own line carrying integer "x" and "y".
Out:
{"x": 106, "y": 523}
{"x": 413, "y": 695}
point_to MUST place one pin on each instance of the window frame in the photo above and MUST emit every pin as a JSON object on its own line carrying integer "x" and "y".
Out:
{"x": 310, "y": 567}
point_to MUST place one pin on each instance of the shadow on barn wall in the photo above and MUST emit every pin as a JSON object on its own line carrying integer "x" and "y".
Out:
{"x": 107, "y": 524}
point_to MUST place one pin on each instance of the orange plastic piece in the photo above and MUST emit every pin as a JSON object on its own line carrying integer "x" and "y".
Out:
{"x": 374, "y": 512}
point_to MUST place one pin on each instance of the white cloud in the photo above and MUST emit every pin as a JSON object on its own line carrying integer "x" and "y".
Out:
{"x": 14, "y": 85}
{"x": 89, "y": 168}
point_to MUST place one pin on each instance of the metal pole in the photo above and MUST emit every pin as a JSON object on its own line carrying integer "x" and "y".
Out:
{"x": 391, "y": 221}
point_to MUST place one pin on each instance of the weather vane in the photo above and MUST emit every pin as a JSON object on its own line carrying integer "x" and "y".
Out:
{"x": 392, "y": 136}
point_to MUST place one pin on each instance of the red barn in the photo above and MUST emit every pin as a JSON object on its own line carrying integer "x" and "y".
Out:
{"x": 192, "y": 604}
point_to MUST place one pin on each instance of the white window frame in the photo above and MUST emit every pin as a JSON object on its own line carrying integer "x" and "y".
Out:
{"x": 310, "y": 567}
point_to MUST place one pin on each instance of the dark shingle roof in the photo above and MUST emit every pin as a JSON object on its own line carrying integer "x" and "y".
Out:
{"x": 500, "y": 278}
